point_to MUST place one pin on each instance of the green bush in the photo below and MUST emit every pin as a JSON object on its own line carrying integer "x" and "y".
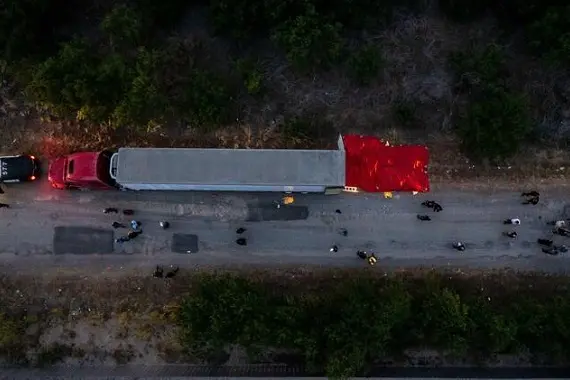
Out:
{"x": 344, "y": 325}
{"x": 143, "y": 102}
{"x": 404, "y": 112}
{"x": 251, "y": 75}
{"x": 205, "y": 100}
{"x": 11, "y": 332}
{"x": 549, "y": 37}
{"x": 31, "y": 28}
{"x": 479, "y": 65}
{"x": 364, "y": 64}
{"x": 305, "y": 131}
{"x": 123, "y": 27}
{"x": 495, "y": 124}
{"x": 65, "y": 83}
{"x": 365, "y": 14}
{"x": 239, "y": 18}
{"x": 309, "y": 41}
{"x": 465, "y": 10}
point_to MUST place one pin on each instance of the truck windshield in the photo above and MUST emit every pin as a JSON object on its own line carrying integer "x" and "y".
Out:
{"x": 103, "y": 163}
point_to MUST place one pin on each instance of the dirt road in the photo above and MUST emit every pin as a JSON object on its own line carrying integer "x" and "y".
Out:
{"x": 293, "y": 236}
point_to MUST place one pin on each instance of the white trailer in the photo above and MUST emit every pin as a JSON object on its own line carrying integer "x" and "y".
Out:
{"x": 263, "y": 170}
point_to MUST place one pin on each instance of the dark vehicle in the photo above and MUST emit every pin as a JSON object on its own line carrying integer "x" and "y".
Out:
{"x": 23, "y": 168}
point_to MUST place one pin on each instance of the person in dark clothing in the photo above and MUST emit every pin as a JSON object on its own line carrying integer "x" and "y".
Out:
{"x": 423, "y": 217}
{"x": 531, "y": 201}
{"x": 241, "y": 241}
{"x": 533, "y": 197}
{"x": 437, "y": 207}
{"x": 545, "y": 242}
{"x": 550, "y": 251}
{"x": 110, "y": 210}
{"x": 343, "y": 231}
{"x": 459, "y": 246}
{"x": 172, "y": 273}
{"x": 164, "y": 225}
{"x": 118, "y": 225}
{"x": 128, "y": 212}
{"x": 158, "y": 272}
{"x": 240, "y": 230}
{"x": 334, "y": 248}
{"x": 4, "y": 205}
{"x": 511, "y": 234}
{"x": 338, "y": 211}
{"x": 362, "y": 255}
{"x": 514, "y": 221}
{"x": 133, "y": 234}
{"x": 136, "y": 225}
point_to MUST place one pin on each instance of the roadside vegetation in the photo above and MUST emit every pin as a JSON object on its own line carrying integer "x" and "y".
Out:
{"x": 339, "y": 322}
{"x": 490, "y": 78}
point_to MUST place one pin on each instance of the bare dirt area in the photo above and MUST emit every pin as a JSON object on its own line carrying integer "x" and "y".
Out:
{"x": 117, "y": 317}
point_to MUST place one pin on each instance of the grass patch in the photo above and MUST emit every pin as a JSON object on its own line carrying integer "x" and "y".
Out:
{"x": 344, "y": 324}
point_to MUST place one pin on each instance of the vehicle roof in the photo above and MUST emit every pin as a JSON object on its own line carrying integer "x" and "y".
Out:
{"x": 231, "y": 166}
{"x": 85, "y": 166}
{"x": 16, "y": 167}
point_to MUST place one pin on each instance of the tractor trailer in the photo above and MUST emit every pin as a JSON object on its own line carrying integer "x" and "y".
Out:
{"x": 255, "y": 170}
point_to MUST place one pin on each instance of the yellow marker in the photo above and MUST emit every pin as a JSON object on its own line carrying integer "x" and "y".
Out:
{"x": 388, "y": 195}
{"x": 288, "y": 199}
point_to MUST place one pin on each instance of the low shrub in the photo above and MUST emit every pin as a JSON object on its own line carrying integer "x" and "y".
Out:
{"x": 251, "y": 76}
{"x": 465, "y": 10}
{"x": 310, "y": 41}
{"x": 404, "y": 112}
{"x": 205, "y": 99}
{"x": 365, "y": 63}
{"x": 476, "y": 65}
{"x": 549, "y": 37}
{"x": 345, "y": 324}
{"x": 495, "y": 124}
{"x": 305, "y": 131}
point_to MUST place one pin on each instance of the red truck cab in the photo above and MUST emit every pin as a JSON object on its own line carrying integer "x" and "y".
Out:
{"x": 83, "y": 170}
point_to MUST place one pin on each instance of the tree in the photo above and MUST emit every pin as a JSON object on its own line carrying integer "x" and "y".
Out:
{"x": 63, "y": 84}
{"x": 310, "y": 41}
{"x": 549, "y": 36}
{"x": 495, "y": 124}
{"x": 143, "y": 101}
{"x": 122, "y": 26}
{"x": 365, "y": 63}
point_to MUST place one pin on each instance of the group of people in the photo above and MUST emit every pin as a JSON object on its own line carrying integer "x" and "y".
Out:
{"x": 135, "y": 225}
{"x": 159, "y": 272}
{"x": 548, "y": 246}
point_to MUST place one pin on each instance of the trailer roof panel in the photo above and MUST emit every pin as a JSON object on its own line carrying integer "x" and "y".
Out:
{"x": 231, "y": 166}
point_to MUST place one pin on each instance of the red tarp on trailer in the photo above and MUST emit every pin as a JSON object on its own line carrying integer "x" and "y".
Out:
{"x": 374, "y": 167}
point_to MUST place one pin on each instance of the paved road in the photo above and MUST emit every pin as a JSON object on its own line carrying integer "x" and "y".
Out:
{"x": 387, "y": 227}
